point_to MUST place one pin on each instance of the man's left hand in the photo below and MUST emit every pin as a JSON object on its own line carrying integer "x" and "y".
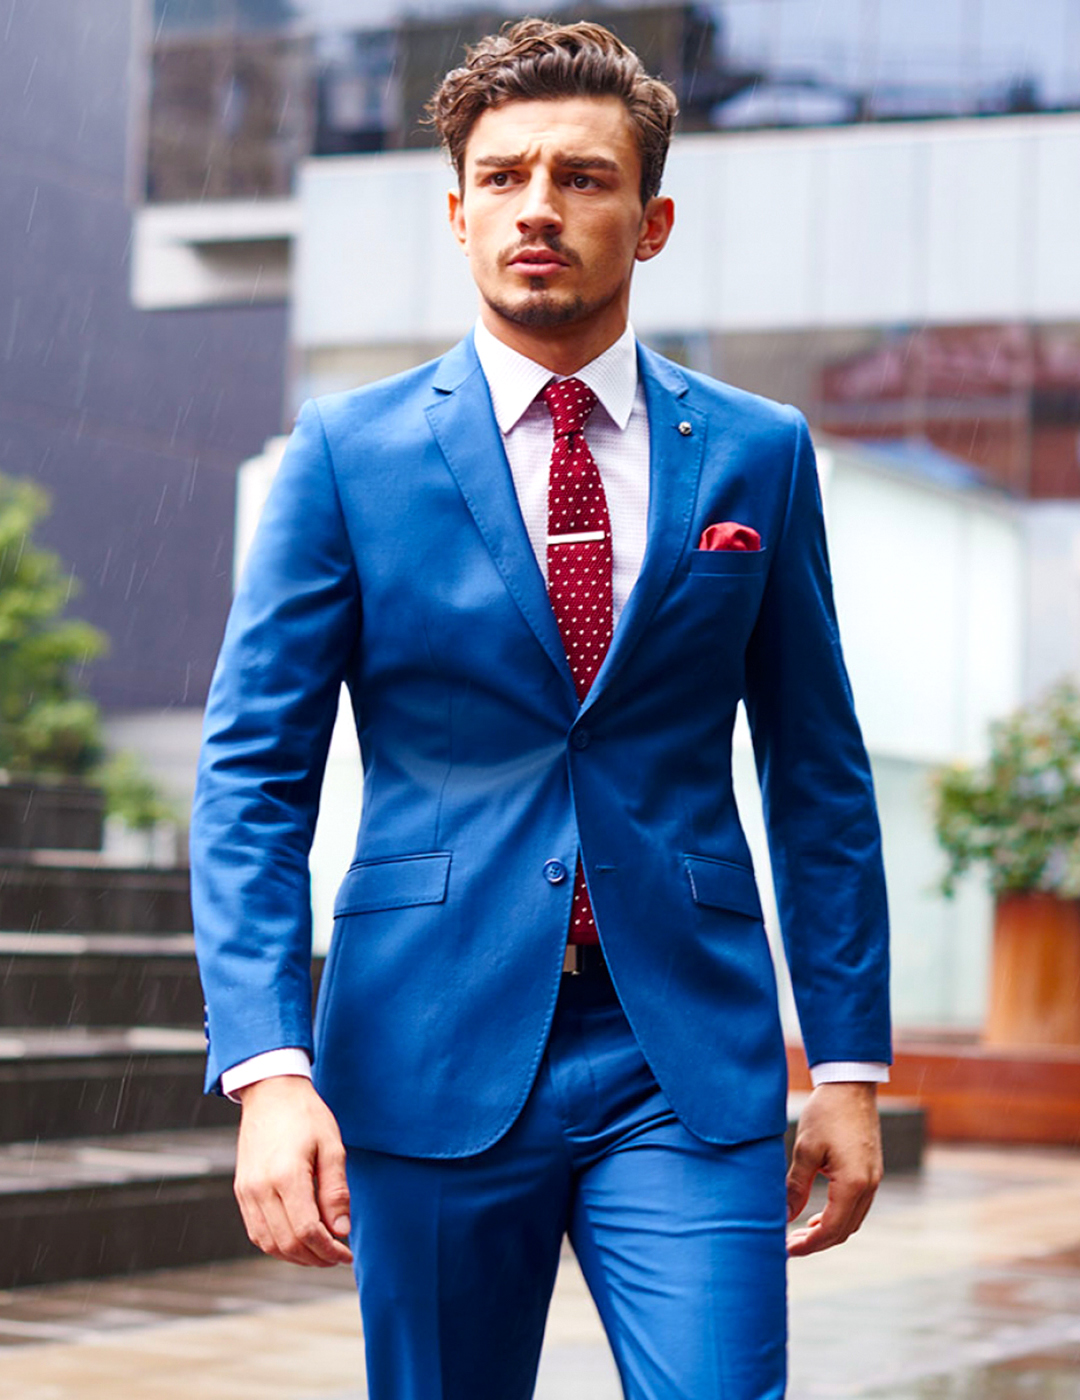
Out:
{"x": 839, "y": 1135}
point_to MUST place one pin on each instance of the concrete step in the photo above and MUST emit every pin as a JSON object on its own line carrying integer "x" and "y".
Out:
{"x": 65, "y": 1083}
{"x": 117, "y": 1204}
{"x": 62, "y": 979}
{"x": 903, "y": 1131}
{"x": 58, "y": 891}
{"x": 67, "y": 816}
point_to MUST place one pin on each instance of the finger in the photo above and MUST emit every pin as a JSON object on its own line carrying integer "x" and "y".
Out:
{"x": 287, "y": 1243}
{"x": 298, "y": 1197}
{"x": 308, "y": 1230}
{"x": 866, "y": 1201}
{"x": 332, "y": 1188}
{"x": 833, "y": 1225}
{"x": 805, "y": 1240}
{"x": 800, "y": 1178}
{"x": 255, "y": 1223}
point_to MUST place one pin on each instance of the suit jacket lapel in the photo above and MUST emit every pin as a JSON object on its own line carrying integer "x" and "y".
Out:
{"x": 675, "y": 458}
{"x": 465, "y": 429}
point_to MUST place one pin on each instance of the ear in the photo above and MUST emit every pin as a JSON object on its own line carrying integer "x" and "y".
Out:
{"x": 656, "y": 225}
{"x": 456, "y": 210}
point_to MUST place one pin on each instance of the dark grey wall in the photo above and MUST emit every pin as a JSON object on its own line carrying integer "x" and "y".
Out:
{"x": 135, "y": 422}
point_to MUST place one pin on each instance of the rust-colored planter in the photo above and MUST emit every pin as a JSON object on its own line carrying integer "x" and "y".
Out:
{"x": 1035, "y": 974}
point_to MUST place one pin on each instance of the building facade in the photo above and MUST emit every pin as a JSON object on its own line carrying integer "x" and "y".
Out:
{"x": 876, "y": 221}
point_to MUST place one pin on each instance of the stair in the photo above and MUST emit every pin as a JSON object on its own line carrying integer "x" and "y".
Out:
{"x": 98, "y": 979}
{"x": 72, "y": 1081}
{"x": 114, "y": 1204}
{"x": 65, "y": 816}
{"x": 81, "y": 891}
{"x": 111, "y": 1158}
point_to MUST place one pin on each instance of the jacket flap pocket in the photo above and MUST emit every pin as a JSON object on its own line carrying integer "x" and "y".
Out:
{"x": 394, "y": 884}
{"x": 723, "y": 885}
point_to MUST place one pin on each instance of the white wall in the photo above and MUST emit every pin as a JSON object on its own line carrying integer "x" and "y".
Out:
{"x": 930, "y": 594}
{"x": 1052, "y": 530}
{"x": 957, "y": 221}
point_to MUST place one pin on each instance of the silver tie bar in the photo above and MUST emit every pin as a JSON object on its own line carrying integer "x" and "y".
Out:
{"x": 583, "y": 537}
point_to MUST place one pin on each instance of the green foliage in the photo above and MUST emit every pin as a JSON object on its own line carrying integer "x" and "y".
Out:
{"x": 131, "y": 794}
{"x": 48, "y": 728}
{"x": 1018, "y": 814}
{"x": 46, "y": 725}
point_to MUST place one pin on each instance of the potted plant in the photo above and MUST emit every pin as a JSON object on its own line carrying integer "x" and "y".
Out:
{"x": 140, "y": 825}
{"x": 1018, "y": 815}
{"x": 53, "y": 783}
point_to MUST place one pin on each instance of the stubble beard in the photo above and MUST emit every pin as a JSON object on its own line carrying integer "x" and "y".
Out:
{"x": 543, "y": 312}
{"x": 541, "y": 308}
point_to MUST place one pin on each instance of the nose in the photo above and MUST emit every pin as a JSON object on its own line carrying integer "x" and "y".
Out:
{"x": 539, "y": 211}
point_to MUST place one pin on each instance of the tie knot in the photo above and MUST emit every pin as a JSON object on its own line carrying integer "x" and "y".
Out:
{"x": 570, "y": 402}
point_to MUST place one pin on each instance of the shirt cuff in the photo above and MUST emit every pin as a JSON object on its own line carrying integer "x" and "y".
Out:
{"x": 842, "y": 1072}
{"x": 291, "y": 1060}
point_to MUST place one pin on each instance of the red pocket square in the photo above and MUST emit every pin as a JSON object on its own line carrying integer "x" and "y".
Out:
{"x": 729, "y": 534}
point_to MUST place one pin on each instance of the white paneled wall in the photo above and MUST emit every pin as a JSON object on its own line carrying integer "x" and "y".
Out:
{"x": 940, "y": 221}
{"x": 930, "y": 595}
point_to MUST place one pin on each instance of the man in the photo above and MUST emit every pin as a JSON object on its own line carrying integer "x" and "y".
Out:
{"x": 548, "y": 566}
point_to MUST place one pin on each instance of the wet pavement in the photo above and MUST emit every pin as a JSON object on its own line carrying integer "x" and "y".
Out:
{"x": 964, "y": 1284}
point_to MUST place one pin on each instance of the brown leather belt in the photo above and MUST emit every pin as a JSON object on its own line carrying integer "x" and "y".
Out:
{"x": 583, "y": 957}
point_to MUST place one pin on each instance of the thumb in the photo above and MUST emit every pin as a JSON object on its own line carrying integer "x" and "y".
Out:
{"x": 332, "y": 1188}
{"x": 799, "y": 1180}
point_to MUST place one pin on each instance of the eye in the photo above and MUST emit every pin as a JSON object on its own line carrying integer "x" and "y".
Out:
{"x": 499, "y": 179}
{"x": 579, "y": 181}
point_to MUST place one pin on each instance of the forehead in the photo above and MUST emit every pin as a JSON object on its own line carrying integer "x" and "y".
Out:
{"x": 565, "y": 125}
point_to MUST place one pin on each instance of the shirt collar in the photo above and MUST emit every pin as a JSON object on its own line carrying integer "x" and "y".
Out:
{"x": 514, "y": 380}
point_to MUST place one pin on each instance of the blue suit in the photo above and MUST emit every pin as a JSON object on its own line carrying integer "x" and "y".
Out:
{"x": 392, "y": 556}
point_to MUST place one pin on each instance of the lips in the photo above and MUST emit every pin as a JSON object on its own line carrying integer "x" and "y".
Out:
{"x": 538, "y": 262}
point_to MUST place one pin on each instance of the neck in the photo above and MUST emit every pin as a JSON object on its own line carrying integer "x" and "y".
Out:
{"x": 562, "y": 349}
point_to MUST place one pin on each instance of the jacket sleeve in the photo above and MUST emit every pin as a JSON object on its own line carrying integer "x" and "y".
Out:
{"x": 273, "y": 700}
{"x": 817, "y": 791}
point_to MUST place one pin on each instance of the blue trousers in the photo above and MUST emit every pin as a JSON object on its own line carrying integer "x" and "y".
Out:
{"x": 681, "y": 1242}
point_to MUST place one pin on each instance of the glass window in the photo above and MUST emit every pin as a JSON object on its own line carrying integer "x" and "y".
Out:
{"x": 245, "y": 88}
{"x": 178, "y": 15}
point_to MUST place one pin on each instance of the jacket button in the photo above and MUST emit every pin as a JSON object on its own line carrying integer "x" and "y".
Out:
{"x": 554, "y": 872}
{"x": 581, "y": 738}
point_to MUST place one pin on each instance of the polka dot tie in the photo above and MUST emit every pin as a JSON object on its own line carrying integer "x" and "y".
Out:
{"x": 579, "y": 567}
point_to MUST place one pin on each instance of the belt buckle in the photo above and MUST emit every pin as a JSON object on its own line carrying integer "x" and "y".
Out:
{"x": 573, "y": 960}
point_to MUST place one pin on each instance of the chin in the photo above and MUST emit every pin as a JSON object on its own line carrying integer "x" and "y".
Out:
{"x": 541, "y": 310}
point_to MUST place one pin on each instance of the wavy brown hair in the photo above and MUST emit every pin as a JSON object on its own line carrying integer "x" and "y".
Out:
{"x": 536, "y": 59}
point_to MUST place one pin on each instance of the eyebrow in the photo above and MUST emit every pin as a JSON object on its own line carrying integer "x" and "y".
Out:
{"x": 567, "y": 162}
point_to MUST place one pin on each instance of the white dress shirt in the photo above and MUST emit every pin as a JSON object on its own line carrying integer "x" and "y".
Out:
{"x": 618, "y": 436}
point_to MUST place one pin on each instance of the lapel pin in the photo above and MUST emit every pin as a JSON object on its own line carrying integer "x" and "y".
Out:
{"x": 685, "y": 428}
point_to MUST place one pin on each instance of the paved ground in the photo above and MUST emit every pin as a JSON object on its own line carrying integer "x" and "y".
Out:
{"x": 963, "y": 1285}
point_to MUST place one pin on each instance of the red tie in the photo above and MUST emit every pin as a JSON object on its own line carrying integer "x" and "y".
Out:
{"x": 579, "y": 567}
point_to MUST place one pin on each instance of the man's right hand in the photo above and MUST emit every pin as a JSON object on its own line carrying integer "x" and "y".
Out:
{"x": 290, "y": 1173}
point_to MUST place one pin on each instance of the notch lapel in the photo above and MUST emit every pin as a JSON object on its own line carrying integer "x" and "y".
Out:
{"x": 675, "y": 459}
{"x": 464, "y": 426}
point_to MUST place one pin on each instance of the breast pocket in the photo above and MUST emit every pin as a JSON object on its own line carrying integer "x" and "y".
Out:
{"x": 394, "y": 883}
{"x": 727, "y": 563}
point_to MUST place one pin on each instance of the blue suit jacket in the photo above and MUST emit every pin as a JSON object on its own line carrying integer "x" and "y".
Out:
{"x": 392, "y": 555}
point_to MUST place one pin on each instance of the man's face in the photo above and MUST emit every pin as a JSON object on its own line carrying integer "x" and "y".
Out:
{"x": 550, "y": 214}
